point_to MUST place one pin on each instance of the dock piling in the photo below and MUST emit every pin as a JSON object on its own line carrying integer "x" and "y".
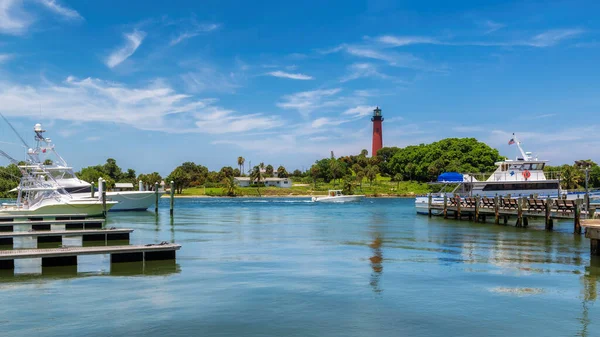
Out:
{"x": 477, "y": 205}
{"x": 429, "y": 201}
{"x": 93, "y": 189}
{"x": 104, "y": 198}
{"x": 172, "y": 197}
{"x": 458, "y": 202}
{"x": 156, "y": 197}
{"x": 577, "y": 216}
{"x": 519, "y": 212}
{"x": 496, "y": 210}
{"x": 445, "y": 206}
{"x": 548, "y": 219}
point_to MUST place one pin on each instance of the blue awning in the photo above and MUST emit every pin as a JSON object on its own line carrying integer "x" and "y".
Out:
{"x": 450, "y": 177}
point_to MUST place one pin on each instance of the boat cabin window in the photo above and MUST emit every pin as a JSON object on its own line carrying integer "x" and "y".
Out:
{"x": 521, "y": 186}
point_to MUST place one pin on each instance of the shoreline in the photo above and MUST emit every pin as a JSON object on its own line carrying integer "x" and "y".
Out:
{"x": 387, "y": 196}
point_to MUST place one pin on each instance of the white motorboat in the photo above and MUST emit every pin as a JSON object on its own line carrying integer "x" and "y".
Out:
{"x": 337, "y": 196}
{"x": 38, "y": 194}
{"x": 65, "y": 177}
{"x": 516, "y": 178}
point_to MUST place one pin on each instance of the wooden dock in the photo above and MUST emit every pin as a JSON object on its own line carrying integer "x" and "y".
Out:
{"x": 502, "y": 209}
{"x": 592, "y": 232}
{"x": 7, "y": 238}
{"x": 40, "y": 224}
{"x": 68, "y": 256}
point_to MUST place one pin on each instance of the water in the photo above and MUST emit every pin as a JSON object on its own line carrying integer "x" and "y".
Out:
{"x": 288, "y": 267}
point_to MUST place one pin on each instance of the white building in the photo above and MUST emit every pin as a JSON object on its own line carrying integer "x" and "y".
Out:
{"x": 273, "y": 182}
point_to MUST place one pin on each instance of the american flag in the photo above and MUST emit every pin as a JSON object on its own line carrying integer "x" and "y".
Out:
{"x": 511, "y": 141}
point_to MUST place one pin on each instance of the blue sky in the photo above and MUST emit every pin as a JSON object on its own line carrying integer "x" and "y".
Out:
{"x": 154, "y": 83}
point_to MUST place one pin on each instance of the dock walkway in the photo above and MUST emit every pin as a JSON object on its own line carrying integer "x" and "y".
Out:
{"x": 68, "y": 256}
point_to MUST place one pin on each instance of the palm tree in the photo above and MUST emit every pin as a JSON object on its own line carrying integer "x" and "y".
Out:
{"x": 371, "y": 173}
{"x": 230, "y": 185}
{"x": 335, "y": 168}
{"x": 269, "y": 170}
{"x": 240, "y": 163}
{"x": 257, "y": 177}
{"x": 570, "y": 177}
{"x": 282, "y": 172}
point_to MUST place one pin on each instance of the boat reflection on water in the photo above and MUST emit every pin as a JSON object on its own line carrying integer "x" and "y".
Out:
{"x": 376, "y": 263}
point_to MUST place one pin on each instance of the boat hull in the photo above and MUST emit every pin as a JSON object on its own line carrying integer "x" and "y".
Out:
{"x": 339, "y": 199}
{"x": 73, "y": 207}
{"x": 129, "y": 200}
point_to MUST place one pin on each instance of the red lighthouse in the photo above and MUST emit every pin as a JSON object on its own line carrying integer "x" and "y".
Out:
{"x": 377, "y": 119}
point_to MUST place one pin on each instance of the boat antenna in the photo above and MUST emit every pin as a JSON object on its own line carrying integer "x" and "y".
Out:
{"x": 15, "y": 131}
{"x": 518, "y": 142}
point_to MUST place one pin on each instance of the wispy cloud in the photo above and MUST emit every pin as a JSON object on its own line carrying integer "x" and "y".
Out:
{"x": 63, "y": 11}
{"x": 132, "y": 41}
{"x": 553, "y": 37}
{"x": 208, "y": 79}
{"x": 308, "y": 101}
{"x": 359, "y": 111}
{"x": 468, "y": 129}
{"x": 195, "y": 31}
{"x": 292, "y": 76}
{"x": 398, "y": 41}
{"x": 402, "y": 60}
{"x": 5, "y": 58}
{"x": 13, "y": 19}
{"x": 492, "y": 26}
{"x": 153, "y": 107}
{"x": 548, "y": 38}
{"x": 359, "y": 70}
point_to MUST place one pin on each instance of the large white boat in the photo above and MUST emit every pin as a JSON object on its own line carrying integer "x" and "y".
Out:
{"x": 524, "y": 176}
{"x": 337, "y": 196}
{"x": 45, "y": 152}
{"x": 38, "y": 194}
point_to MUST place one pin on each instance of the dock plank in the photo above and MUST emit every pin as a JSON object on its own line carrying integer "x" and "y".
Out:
{"x": 75, "y": 232}
{"x": 72, "y": 251}
{"x": 52, "y": 222}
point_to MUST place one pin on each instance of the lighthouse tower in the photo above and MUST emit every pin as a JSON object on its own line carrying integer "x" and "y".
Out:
{"x": 377, "y": 119}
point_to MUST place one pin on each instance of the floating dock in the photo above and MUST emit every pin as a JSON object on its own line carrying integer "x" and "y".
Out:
{"x": 68, "y": 256}
{"x": 6, "y": 238}
{"x": 41, "y": 224}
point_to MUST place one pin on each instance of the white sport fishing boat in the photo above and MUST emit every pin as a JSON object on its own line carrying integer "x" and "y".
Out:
{"x": 516, "y": 178}
{"x": 337, "y": 196}
{"x": 38, "y": 194}
{"x": 65, "y": 177}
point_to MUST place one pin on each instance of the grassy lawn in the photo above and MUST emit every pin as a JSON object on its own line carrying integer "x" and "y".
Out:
{"x": 381, "y": 187}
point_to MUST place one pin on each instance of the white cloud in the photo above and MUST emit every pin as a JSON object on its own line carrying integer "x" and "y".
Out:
{"x": 309, "y": 101}
{"x": 61, "y": 10}
{"x": 208, "y": 79}
{"x": 548, "y": 38}
{"x": 402, "y": 60}
{"x": 398, "y": 41}
{"x": 224, "y": 121}
{"x": 553, "y": 37}
{"x": 197, "y": 30}
{"x": 132, "y": 41}
{"x": 492, "y": 26}
{"x": 468, "y": 129}
{"x": 5, "y": 58}
{"x": 154, "y": 107}
{"x": 360, "y": 111}
{"x": 13, "y": 20}
{"x": 292, "y": 76}
{"x": 360, "y": 70}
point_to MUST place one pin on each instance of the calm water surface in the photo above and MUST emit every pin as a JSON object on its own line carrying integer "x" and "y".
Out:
{"x": 288, "y": 267}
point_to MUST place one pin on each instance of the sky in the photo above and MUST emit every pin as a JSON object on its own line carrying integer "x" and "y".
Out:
{"x": 154, "y": 83}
